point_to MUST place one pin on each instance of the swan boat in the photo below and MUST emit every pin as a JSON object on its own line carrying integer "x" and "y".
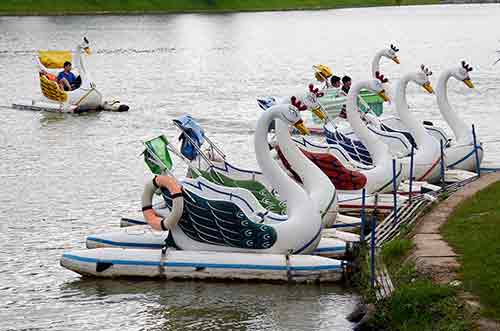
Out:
{"x": 460, "y": 152}
{"x": 84, "y": 98}
{"x": 320, "y": 189}
{"x": 217, "y": 238}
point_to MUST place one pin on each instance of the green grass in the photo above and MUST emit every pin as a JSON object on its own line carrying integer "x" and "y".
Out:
{"x": 417, "y": 304}
{"x": 421, "y": 305}
{"x": 151, "y": 6}
{"x": 474, "y": 233}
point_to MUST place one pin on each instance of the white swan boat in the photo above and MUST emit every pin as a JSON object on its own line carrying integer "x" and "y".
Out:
{"x": 427, "y": 157}
{"x": 460, "y": 152}
{"x": 82, "y": 99}
{"x": 216, "y": 237}
{"x": 315, "y": 182}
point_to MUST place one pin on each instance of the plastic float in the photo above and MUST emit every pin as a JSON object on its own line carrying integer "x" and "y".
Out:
{"x": 84, "y": 98}
{"x": 173, "y": 264}
{"x": 218, "y": 239}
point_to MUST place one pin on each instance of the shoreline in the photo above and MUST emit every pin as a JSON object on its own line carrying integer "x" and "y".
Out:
{"x": 218, "y": 11}
{"x": 420, "y": 280}
{"x": 147, "y": 11}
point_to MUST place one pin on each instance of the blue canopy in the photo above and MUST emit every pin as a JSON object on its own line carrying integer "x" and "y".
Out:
{"x": 194, "y": 131}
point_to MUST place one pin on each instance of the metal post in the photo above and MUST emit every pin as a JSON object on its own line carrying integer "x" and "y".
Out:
{"x": 395, "y": 190}
{"x": 363, "y": 215}
{"x": 442, "y": 162}
{"x": 476, "y": 153}
{"x": 411, "y": 170}
{"x": 372, "y": 251}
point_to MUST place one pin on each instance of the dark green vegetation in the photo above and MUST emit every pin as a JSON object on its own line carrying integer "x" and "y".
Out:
{"x": 474, "y": 233}
{"x": 34, "y": 7}
{"x": 417, "y": 303}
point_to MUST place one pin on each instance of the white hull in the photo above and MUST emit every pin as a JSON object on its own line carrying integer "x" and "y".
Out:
{"x": 463, "y": 157}
{"x": 56, "y": 107}
{"x": 116, "y": 262}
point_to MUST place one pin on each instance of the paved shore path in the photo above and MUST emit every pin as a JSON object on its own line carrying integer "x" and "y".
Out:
{"x": 433, "y": 256}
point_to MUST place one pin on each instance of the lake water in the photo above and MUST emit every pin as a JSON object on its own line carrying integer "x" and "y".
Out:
{"x": 64, "y": 177}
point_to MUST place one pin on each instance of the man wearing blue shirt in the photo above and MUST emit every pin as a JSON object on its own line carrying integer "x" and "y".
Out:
{"x": 66, "y": 78}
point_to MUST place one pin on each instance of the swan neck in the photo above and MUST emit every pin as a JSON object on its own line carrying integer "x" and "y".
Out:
{"x": 459, "y": 128}
{"x": 378, "y": 150}
{"x": 288, "y": 189}
{"x": 415, "y": 126}
{"x": 376, "y": 62}
{"x": 315, "y": 182}
{"x": 80, "y": 63}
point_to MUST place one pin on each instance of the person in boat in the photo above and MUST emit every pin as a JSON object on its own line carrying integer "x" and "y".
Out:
{"x": 66, "y": 79}
{"x": 346, "y": 84}
{"x": 335, "y": 81}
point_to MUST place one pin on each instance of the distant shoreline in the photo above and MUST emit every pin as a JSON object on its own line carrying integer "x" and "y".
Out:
{"x": 151, "y": 7}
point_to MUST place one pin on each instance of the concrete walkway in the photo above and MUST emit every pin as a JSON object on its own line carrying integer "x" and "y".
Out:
{"x": 433, "y": 256}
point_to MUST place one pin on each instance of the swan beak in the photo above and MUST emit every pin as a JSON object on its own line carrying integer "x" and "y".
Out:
{"x": 301, "y": 127}
{"x": 318, "y": 112}
{"x": 87, "y": 50}
{"x": 396, "y": 59}
{"x": 384, "y": 96}
{"x": 468, "y": 82}
{"x": 428, "y": 88}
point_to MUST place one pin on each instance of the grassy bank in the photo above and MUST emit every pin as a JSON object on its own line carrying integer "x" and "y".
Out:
{"x": 34, "y": 7}
{"x": 474, "y": 233}
{"x": 417, "y": 303}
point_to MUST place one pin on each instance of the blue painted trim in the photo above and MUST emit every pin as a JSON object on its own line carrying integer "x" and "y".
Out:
{"x": 466, "y": 156}
{"x": 200, "y": 186}
{"x": 377, "y": 132}
{"x": 428, "y": 128}
{"x": 310, "y": 241}
{"x": 346, "y": 225}
{"x": 202, "y": 265}
{"x": 227, "y": 165}
{"x": 125, "y": 244}
{"x": 331, "y": 249}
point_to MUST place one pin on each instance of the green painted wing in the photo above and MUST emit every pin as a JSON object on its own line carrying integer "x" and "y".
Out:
{"x": 266, "y": 198}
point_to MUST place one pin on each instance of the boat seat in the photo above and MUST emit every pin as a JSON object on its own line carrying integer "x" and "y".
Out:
{"x": 51, "y": 90}
{"x": 341, "y": 177}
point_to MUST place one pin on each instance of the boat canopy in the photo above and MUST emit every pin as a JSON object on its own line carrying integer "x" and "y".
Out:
{"x": 192, "y": 133}
{"x": 54, "y": 59}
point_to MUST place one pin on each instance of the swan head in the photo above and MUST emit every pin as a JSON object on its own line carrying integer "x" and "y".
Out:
{"x": 422, "y": 78}
{"x": 312, "y": 103}
{"x": 391, "y": 53}
{"x": 462, "y": 74}
{"x": 290, "y": 114}
{"x": 84, "y": 46}
{"x": 377, "y": 85}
